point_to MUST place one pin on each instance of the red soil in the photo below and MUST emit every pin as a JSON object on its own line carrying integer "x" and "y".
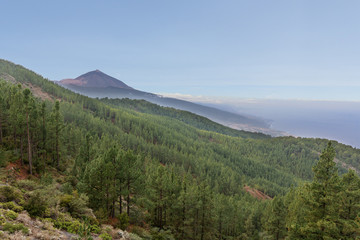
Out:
{"x": 19, "y": 172}
{"x": 256, "y": 193}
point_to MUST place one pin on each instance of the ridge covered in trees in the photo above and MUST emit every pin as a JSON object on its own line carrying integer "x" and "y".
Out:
{"x": 171, "y": 173}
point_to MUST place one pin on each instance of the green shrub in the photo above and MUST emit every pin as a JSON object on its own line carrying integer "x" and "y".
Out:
{"x": 65, "y": 200}
{"x": 93, "y": 220}
{"x": 105, "y": 236}
{"x": 72, "y": 226}
{"x": 4, "y": 157}
{"x": 66, "y": 188}
{"x": 101, "y": 214}
{"x": 27, "y": 185}
{"x": 161, "y": 234}
{"x": 8, "y": 194}
{"x": 12, "y": 206}
{"x": 141, "y": 232}
{"x": 46, "y": 179}
{"x": 75, "y": 204}
{"x": 12, "y": 228}
{"x": 36, "y": 205}
{"x": 95, "y": 229}
{"x": 2, "y": 220}
{"x": 10, "y": 214}
{"x": 85, "y": 230}
{"x": 123, "y": 221}
{"x": 134, "y": 237}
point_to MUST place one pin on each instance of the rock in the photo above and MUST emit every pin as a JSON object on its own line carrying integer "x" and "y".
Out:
{"x": 123, "y": 235}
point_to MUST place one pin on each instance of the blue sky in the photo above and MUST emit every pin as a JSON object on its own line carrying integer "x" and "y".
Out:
{"x": 244, "y": 49}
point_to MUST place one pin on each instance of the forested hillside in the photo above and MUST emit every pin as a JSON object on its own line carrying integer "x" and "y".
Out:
{"x": 167, "y": 173}
{"x": 96, "y": 84}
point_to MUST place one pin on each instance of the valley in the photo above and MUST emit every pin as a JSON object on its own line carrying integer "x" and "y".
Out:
{"x": 158, "y": 172}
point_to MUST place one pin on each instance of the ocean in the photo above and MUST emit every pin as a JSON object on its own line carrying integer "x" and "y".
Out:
{"x": 333, "y": 120}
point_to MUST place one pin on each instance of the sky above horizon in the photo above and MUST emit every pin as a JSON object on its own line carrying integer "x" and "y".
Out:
{"x": 245, "y": 49}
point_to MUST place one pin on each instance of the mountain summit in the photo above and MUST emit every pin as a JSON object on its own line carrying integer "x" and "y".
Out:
{"x": 95, "y": 79}
{"x": 97, "y": 84}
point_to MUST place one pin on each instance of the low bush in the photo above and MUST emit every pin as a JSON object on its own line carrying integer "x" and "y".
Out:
{"x": 8, "y": 194}
{"x": 2, "y": 220}
{"x": 36, "y": 205}
{"x": 95, "y": 229}
{"x": 105, "y": 236}
{"x": 160, "y": 234}
{"x": 46, "y": 179}
{"x": 66, "y": 188}
{"x": 12, "y": 206}
{"x": 69, "y": 225}
{"x": 12, "y": 228}
{"x": 123, "y": 221}
{"x": 27, "y": 185}
{"x": 11, "y": 215}
{"x": 84, "y": 231}
{"x": 4, "y": 157}
{"x": 76, "y": 205}
{"x": 135, "y": 237}
{"x": 141, "y": 232}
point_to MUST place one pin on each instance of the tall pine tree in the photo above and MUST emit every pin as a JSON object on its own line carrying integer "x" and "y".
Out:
{"x": 323, "y": 201}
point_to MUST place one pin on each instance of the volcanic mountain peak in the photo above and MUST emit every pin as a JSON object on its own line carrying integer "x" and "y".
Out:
{"x": 95, "y": 79}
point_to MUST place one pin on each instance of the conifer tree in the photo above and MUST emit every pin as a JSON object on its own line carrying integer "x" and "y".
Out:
{"x": 350, "y": 205}
{"x": 84, "y": 157}
{"x": 2, "y": 116}
{"x": 275, "y": 224}
{"x": 57, "y": 125}
{"x": 43, "y": 132}
{"x": 323, "y": 201}
{"x": 296, "y": 212}
{"x": 27, "y": 110}
{"x": 250, "y": 230}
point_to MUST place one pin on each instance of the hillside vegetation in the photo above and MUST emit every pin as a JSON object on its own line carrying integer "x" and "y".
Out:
{"x": 161, "y": 173}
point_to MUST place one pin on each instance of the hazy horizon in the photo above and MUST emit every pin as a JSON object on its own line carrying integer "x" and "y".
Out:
{"x": 307, "y": 50}
{"x": 278, "y": 49}
{"x": 335, "y": 120}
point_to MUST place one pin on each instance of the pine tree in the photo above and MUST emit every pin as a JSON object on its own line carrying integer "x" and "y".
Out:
{"x": 297, "y": 210}
{"x": 2, "y": 116}
{"x": 57, "y": 126}
{"x": 43, "y": 133}
{"x": 275, "y": 224}
{"x": 250, "y": 230}
{"x": 322, "y": 220}
{"x": 132, "y": 169}
{"x": 350, "y": 205}
{"x": 27, "y": 110}
{"x": 205, "y": 212}
{"x": 84, "y": 157}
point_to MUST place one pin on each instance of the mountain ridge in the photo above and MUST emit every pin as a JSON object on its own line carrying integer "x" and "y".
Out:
{"x": 103, "y": 89}
{"x": 96, "y": 79}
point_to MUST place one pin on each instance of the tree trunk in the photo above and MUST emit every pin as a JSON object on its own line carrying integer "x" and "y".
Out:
{"x": 202, "y": 223}
{"x": 14, "y": 133}
{"x": 120, "y": 204}
{"x": 29, "y": 142}
{"x": 113, "y": 208}
{"x": 21, "y": 151}
{"x": 128, "y": 199}
{"x": 220, "y": 225}
{"x": 107, "y": 201}
{"x": 1, "y": 132}
{"x": 57, "y": 147}
{"x": 44, "y": 141}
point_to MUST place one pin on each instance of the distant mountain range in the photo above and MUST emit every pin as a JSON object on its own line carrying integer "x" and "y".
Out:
{"x": 97, "y": 84}
{"x": 95, "y": 79}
